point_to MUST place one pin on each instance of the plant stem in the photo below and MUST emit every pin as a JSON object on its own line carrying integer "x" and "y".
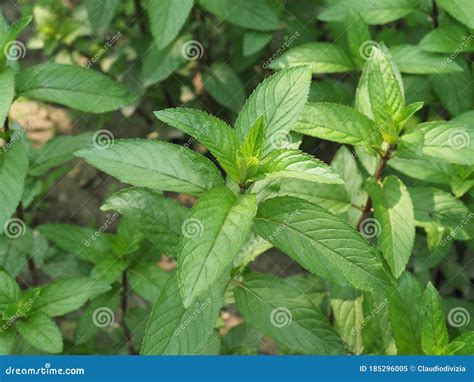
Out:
{"x": 434, "y": 14}
{"x": 126, "y": 331}
{"x": 139, "y": 15}
{"x": 378, "y": 174}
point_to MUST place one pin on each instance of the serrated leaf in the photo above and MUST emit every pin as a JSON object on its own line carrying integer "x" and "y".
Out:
{"x": 9, "y": 291}
{"x": 319, "y": 241}
{"x": 41, "y": 332}
{"x": 160, "y": 218}
{"x": 156, "y": 165}
{"x": 174, "y": 329}
{"x": 321, "y": 57}
{"x": 215, "y": 230}
{"x": 380, "y": 94}
{"x": 406, "y": 314}
{"x": 57, "y": 151}
{"x": 434, "y": 335}
{"x": 461, "y": 10}
{"x": 338, "y": 123}
{"x": 393, "y": 210}
{"x": 15, "y": 251}
{"x": 280, "y": 99}
{"x": 297, "y": 165}
{"x": 253, "y": 143}
{"x": 101, "y": 14}
{"x": 462, "y": 345}
{"x": 7, "y": 92}
{"x": 281, "y": 312}
{"x": 212, "y": 132}
{"x": 13, "y": 169}
{"x": 412, "y": 59}
{"x": 72, "y": 86}
{"x": 225, "y": 86}
{"x": 167, "y": 17}
{"x": 251, "y": 14}
{"x": 66, "y": 295}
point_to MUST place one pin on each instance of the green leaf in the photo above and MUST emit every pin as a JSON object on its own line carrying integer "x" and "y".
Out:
{"x": 280, "y": 99}
{"x": 9, "y": 291}
{"x": 449, "y": 141}
{"x": 461, "y": 10}
{"x": 298, "y": 165}
{"x": 215, "y": 230}
{"x": 338, "y": 123}
{"x": 7, "y": 341}
{"x": 57, "y": 151}
{"x": 158, "y": 65}
{"x": 413, "y": 60}
{"x": 405, "y": 314}
{"x": 251, "y": 14}
{"x": 212, "y": 132}
{"x": 346, "y": 304}
{"x": 15, "y": 251}
{"x": 321, "y": 57}
{"x": 78, "y": 88}
{"x": 253, "y": 142}
{"x": 374, "y": 13}
{"x": 225, "y": 86}
{"x": 393, "y": 210}
{"x": 254, "y": 41}
{"x": 156, "y": 165}
{"x": 380, "y": 93}
{"x": 357, "y": 34}
{"x": 148, "y": 280}
{"x": 7, "y": 92}
{"x": 66, "y": 295}
{"x": 281, "y": 312}
{"x": 41, "y": 332}
{"x": 174, "y": 329}
{"x": 447, "y": 39}
{"x": 101, "y": 14}
{"x": 434, "y": 335}
{"x": 462, "y": 345}
{"x": 13, "y": 170}
{"x": 320, "y": 242}
{"x": 167, "y": 17}
{"x": 158, "y": 217}
{"x": 241, "y": 340}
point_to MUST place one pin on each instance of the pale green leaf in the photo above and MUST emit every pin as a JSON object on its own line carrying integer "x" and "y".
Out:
{"x": 254, "y": 41}
{"x": 447, "y": 39}
{"x": 7, "y": 92}
{"x": 434, "y": 335}
{"x": 461, "y": 10}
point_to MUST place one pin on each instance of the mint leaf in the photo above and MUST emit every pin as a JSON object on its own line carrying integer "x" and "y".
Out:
{"x": 9, "y": 291}
{"x": 41, "y": 332}
{"x": 338, "y": 123}
{"x": 101, "y": 14}
{"x": 280, "y": 99}
{"x": 167, "y": 17}
{"x": 281, "y": 312}
{"x": 7, "y": 92}
{"x": 357, "y": 34}
{"x": 174, "y": 329}
{"x": 253, "y": 143}
{"x": 159, "y": 218}
{"x": 447, "y": 39}
{"x": 394, "y": 212}
{"x": 321, "y": 57}
{"x": 156, "y": 165}
{"x": 7, "y": 341}
{"x": 212, "y": 132}
{"x": 434, "y": 335}
{"x": 318, "y": 241}
{"x": 462, "y": 345}
{"x": 148, "y": 280}
{"x": 213, "y": 233}
{"x": 461, "y": 10}
{"x": 72, "y": 86}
